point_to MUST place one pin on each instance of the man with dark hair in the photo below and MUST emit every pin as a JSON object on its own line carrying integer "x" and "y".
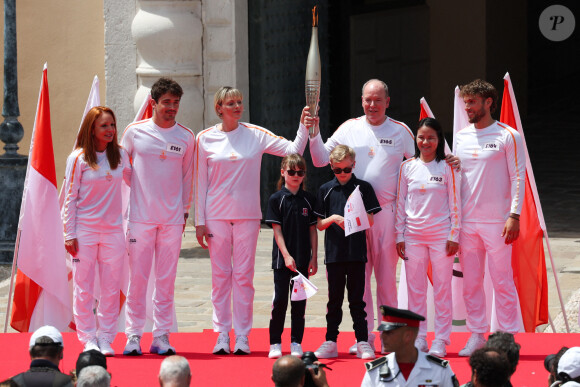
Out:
{"x": 504, "y": 342}
{"x": 288, "y": 371}
{"x": 161, "y": 190}
{"x": 406, "y": 365}
{"x": 489, "y": 368}
{"x": 492, "y": 193}
{"x": 46, "y": 351}
{"x": 90, "y": 358}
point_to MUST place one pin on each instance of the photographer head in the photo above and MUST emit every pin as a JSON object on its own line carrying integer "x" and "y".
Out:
{"x": 290, "y": 371}
{"x": 489, "y": 368}
{"x": 504, "y": 342}
{"x": 569, "y": 367}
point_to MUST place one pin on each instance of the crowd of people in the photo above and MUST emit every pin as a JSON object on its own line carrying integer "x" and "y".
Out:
{"x": 406, "y": 365}
{"x": 425, "y": 209}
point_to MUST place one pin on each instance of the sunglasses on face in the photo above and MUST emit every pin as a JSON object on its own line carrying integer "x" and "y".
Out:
{"x": 292, "y": 172}
{"x": 338, "y": 171}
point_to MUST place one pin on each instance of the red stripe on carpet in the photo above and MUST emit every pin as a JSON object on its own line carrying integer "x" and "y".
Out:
{"x": 255, "y": 369}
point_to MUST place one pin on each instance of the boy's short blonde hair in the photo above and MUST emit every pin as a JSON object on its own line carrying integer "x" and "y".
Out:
{"x": 341, "y": 152}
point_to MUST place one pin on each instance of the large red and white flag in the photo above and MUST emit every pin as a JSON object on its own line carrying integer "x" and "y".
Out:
{"x": 528, "y": 260}
{"x": 41, "y": 293}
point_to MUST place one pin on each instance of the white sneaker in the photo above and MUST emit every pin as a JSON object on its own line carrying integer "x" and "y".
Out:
{"x": 327, "y": 350}
{"x": 371, "y": 340}
{"x": 438, "y": 348}
{"x": 161, "y": 346}
{"x": 92, "y": 344}
{"x": 421, "y": 344}
{"x": 352, "y": 349}
{"x": 275, "y": 351}
{"x": 296, "y": 349}
{"x": 475, "y": 342}
{"x": 364, "y": 351}
{"x": 105, "y": 347}
{"x": 133, "y": 346}
{"x": 242, "y": 346}
{"x": 222, "y": 346}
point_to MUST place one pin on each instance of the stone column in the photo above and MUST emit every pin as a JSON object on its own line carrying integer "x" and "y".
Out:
{"x": 12, "y": 165}
{"x": 225, "y": 52}
{"x": 168, "y": 37}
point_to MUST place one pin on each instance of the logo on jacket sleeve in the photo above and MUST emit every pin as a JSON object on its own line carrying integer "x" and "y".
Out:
{"x": 305, "y": 212}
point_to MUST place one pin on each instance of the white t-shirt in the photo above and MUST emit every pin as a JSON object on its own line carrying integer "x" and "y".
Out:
{"x": 493, "y": 170}
{"x": 162, "y": 158}
{"x": 428, "y": 202}
{"x": 93, "y": 196}
{"x": 228, "y": 169}
{"x": 379, "y": 152}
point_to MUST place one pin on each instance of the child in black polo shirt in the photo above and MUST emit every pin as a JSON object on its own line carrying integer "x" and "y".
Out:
{"x": 345, "y": 255}
{"x": 291, "y": 215}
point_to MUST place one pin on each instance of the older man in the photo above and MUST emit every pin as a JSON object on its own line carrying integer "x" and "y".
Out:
{"x": 380, "y": 143}
{"x": 175, "y": 372}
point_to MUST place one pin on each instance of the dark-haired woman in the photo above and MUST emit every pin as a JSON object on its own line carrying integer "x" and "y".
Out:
{"x": 427, "y": 230}
{"x": 92, "y": 218}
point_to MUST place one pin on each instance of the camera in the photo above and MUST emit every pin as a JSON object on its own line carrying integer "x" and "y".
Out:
{"x": 549, "y": 362}
{"x": 308, "y": 358}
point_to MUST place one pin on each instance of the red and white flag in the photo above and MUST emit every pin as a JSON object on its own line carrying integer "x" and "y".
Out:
{"x": 93, "y": 100}
{"x": 145, "y": 111}
{"x": 528, "y": 260}
{"x": 41, "y": 293}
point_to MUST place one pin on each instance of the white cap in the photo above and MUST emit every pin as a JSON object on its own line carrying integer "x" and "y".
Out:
{"x": 570, "y": 362}
{"x": 48, "y": 331}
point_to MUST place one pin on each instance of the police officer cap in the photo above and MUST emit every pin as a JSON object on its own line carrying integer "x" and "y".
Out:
{"x": 394, "y": 318}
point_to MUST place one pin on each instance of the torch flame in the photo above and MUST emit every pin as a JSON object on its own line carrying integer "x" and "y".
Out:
{"x": 314, "y": 17}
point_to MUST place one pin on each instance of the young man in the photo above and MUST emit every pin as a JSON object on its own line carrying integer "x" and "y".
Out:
{"x": 161, "y": 187}
{"x": 405, "y": 365}
{"x": 492, "y": 192}
{"x": 345, "y": 255}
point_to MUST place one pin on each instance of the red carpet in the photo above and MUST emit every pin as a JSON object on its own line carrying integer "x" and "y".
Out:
{"x": 255, "y": 369}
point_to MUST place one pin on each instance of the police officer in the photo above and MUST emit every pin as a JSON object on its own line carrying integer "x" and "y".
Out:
{"x": 405, "y": 365}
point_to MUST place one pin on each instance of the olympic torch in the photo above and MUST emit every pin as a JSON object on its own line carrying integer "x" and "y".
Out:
{"x": 313, "y": 73}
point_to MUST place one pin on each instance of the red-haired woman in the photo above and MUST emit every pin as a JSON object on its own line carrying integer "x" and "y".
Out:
{"x": 92, "y": 218}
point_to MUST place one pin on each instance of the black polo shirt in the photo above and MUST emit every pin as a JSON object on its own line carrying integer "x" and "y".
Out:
{"x": 295, "y": 214}
{"x": 332, "y": 197}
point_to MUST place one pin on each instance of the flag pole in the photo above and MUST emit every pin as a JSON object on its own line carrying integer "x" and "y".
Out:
{"x": 11, "y": 289}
